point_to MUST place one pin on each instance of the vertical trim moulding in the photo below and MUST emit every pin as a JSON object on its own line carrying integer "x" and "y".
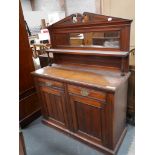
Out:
{"x": 122, "y": 67}
{"x": 64, "y": 107}
{"x": 108, "y": 112}
{"x": 103, "y": 123}
{"x": 68, "y": 108}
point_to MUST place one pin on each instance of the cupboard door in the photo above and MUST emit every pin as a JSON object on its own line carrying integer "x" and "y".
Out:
{"x": 53, "y": 104}
{"x": 88, "y": 117}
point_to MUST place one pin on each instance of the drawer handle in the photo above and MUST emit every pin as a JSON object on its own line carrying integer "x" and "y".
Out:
{"x": 84, "y": 92}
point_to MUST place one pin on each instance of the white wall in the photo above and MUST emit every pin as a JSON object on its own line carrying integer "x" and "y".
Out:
{"x": 45, "y": 8}
{"x": 80, "y": 6}
{"x": 26, "y": 5}
{"x": 48, "y": 5}
{"x": 42, "y": 9}
{"x": 33, "y": 18}
{"x": 124, "y": 9}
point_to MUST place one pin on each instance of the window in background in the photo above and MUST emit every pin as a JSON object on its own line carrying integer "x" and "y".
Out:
{"x": 36, "y": 10}
{"x": 55, "y": 10}
{"x": 80, "y": 6}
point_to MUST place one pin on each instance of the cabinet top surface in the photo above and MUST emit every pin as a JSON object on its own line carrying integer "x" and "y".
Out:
{"x": 103, "y": 79}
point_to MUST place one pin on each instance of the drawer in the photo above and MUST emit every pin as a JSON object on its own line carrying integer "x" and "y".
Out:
{"x": 85, "y": 92}
{"x": 49, "y": 83}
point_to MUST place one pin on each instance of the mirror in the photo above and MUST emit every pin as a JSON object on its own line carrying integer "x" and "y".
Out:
{"x": 109, "y": 39}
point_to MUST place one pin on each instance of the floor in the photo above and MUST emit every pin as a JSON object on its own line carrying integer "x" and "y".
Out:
{"x": 43, "y": 140}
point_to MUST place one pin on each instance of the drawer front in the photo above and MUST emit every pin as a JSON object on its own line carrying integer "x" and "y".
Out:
{"x": 50, "y": 83}
{"x": 85, "y": 92}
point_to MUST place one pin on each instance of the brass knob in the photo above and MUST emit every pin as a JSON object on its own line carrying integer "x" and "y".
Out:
{"x": 84, "y": 92}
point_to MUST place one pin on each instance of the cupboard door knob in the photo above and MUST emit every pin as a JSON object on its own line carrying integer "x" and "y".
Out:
{"x": 84, "y": 92}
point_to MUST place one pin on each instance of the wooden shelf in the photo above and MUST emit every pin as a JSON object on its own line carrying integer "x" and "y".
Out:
{"x": 90, "y": 52}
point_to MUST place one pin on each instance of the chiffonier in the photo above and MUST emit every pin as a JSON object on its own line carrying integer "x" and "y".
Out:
{"x": 83, "y": 90}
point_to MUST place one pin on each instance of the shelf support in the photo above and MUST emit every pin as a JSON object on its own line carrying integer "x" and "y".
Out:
{"x": 122, "y": 67}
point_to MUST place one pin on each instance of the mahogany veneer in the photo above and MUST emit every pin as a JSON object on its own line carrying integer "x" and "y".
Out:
{"x": 83, "y": 92}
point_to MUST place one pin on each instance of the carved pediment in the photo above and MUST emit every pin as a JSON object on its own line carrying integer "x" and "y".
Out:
{"x": 87, "y": 17}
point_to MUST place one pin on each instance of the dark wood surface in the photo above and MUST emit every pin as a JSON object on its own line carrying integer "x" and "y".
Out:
{"x": 131, "y": 97}
{"x": 55, "y": 105}
{"x": 117, "y": 63}
{"x": 103, "y": 93}
{"x": 104, "y": 79}
{"x": 25, "y": 56}
{"x": 59, "y": 32}
{"x": 83, "y": 92}
{"x": 44, "y": 59}
{"x": 29, "y": 108}
{"x": 22, "y": 149}
{"x": 105, "y": 61}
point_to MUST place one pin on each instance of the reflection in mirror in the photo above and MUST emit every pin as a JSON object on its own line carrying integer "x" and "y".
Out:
{"x": 110, "y": 39}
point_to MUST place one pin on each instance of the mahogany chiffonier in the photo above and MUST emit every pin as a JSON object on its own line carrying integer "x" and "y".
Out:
{"x": 83, "y": 91}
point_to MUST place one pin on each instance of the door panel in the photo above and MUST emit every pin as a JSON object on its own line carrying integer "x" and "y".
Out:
{"x": 54, "y": 105}
{"x": 88, "y": 119}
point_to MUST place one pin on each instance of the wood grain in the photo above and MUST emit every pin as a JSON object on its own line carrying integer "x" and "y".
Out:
{"x": 91, "y": 93}
{"x": 105, "y": 80}
{"x": 87, "y": 96}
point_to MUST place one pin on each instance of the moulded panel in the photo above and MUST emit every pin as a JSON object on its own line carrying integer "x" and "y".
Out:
{"x": 54, "y": 105}
{"x": 88, "y": 119}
